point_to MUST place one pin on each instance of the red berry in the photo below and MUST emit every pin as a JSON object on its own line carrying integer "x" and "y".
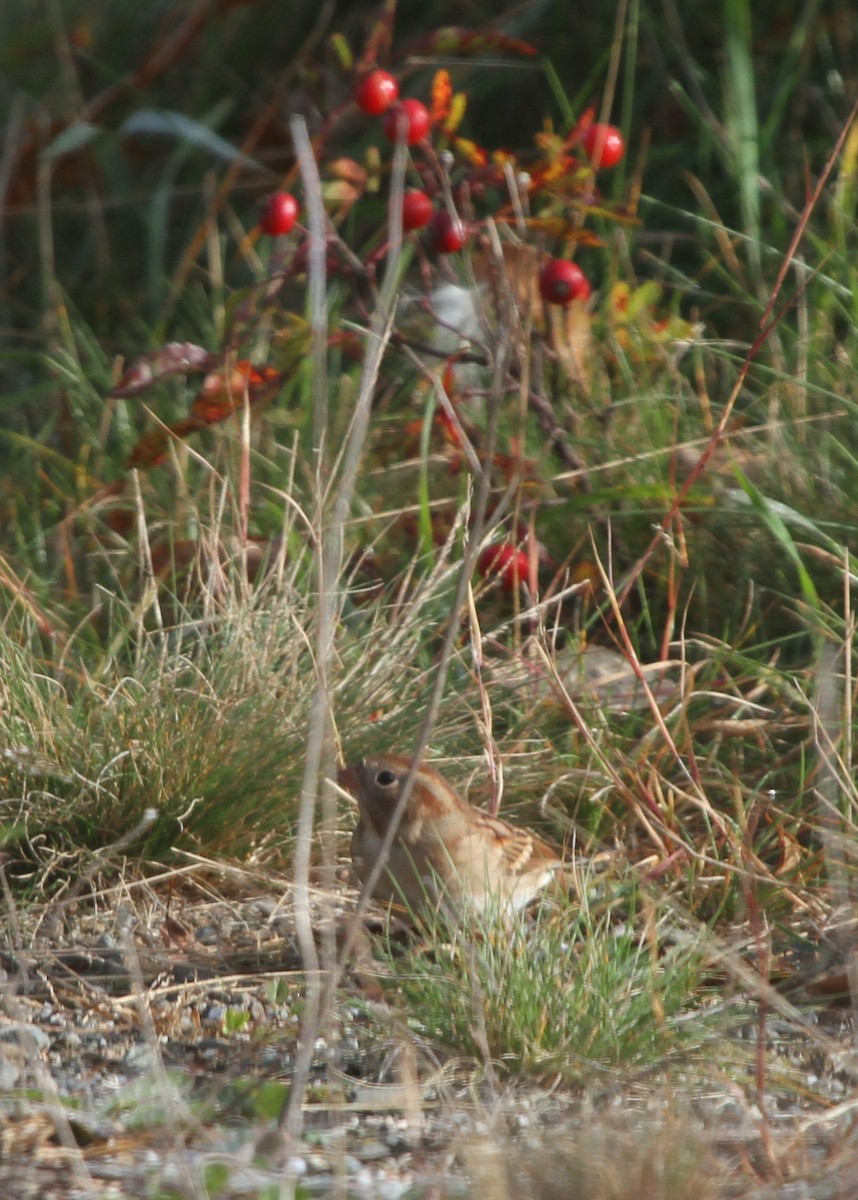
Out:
{"x": 376, "y": 92}
{"x": 279, "y": 213}
{"x": 506, "y": 561}
{"x": 415, "y": 121}
{"x": 416, "y": 209}
{"x": 446, "y": 233}
{"x": 561, "y": 282}
{"x": 603, "y": 145}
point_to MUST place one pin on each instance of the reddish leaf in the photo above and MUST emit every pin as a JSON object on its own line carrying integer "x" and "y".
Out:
{"x": 588, "y": 116}
{"x": 448, "y": 428}
{"x": 114, "y": 507}
{"x": 454, "y": 39}
{"x": 565, "y": 228}
{"x": 349, "y": 343}
{"x": 171, "y": 557}
{"x": 221, "y": 394}
{"x": 379, "y": 41}
{"x": 442, "y": 97}
{"x": 471, "y": 152}
{"x": 514, "y": 466}
{"x": 172, "y": 359}
{"x": 448, "y": 378}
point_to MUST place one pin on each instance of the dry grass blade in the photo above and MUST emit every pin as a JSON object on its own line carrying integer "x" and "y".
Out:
{"x": 767, "y": 324}
{"x": 329, "y": 562}
{"x": 835, "y": 814}
{"x": 499, "y": 374}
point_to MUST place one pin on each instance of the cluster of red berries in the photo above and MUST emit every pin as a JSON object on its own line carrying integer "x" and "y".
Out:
{"x": 408, "y": 120}
{"x": 560, "y": 281}
{"x": 377, "y": 94}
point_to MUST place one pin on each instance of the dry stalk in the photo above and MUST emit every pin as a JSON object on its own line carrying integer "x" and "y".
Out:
{"x": 835, "y": 829}
{"x": 499, "y": 375}
{"x": 329, "y": 562}
{"x": 769, "y": 321}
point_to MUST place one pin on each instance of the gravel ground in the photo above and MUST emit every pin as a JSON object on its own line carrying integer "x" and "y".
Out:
{"x": 145, "y": 1051}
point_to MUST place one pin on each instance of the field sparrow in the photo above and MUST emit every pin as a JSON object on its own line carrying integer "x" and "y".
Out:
{"x": 445, "y": 849}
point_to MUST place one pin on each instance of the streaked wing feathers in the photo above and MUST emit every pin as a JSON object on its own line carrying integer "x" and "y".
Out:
{"x": 521, "y": 851}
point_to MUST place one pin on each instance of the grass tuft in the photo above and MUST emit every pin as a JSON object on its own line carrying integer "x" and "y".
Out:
{"x": 579, "y": 991}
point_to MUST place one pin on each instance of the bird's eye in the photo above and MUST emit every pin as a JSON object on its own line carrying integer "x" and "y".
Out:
{"x": 385, "y": 778}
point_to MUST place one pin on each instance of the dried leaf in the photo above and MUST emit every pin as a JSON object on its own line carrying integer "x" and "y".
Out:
{"x": 173, "y": 359}
{"x": 563, "y": 227}
{"x": 455, "y": 39}
{"x": 340, "y": 191}
{"x": 455, "y": 113}
{"x": 221, "y": 393}
{"x": 441, "y": 97}
{"x": 347, "y": 169}
{"x": 471, "y": 152}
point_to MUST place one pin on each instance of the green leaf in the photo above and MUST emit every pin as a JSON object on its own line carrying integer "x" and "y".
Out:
{"x": 235, "y": 1021}
{"x": 773, "y": 514}
{"x": 270, "y": 1099}
{"x": 216, "y": 1177}
{"x": 155, "y": 123}
{"x": 73, "y": 137}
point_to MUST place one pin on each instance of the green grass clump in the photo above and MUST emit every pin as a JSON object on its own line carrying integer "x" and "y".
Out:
{"x": 573, "y": 991}
{"x": 201, "y": 725}
{"x": 206, "y": 743}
